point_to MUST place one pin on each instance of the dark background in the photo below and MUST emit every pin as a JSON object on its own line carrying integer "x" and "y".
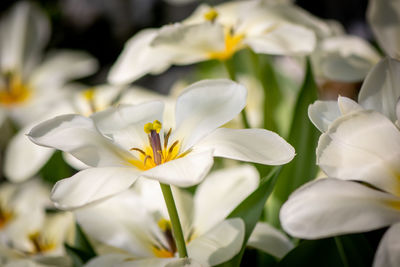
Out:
{"x": 101, "y": 27}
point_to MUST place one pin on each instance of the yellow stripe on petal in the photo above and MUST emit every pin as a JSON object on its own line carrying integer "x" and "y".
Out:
{"x": 233, "y": 43}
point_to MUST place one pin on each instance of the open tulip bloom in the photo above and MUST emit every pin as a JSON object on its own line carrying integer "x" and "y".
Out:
{"x": 215, "y": 33}
{"x": 126, "y": 142}
{"x": 359, "y": 151}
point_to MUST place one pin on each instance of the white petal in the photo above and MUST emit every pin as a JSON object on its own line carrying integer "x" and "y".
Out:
{"x": 204, "y": 106}
{"x": 398, "y": 111}
{"x": 286, "y": 39}
{"x": 92, "y": 185}
{"x": 388, "y": 253}
{"x": 111, "y": 222}
{"x": 347, "y": 105}
{"x": 220, "y": 193}
{"x": 62, "y": 66}
{"x": 381, "y": 90}
{"x": 78, "y": 136}
{"x": 218, "y": 245}
{"x": 74, "y": 162}
{"x": 139, "y": 58}
{"x": 363, "y": 146}
{"x": 114, "y": 119}
{"x": 190, "y": 43}
{"x": 346, "y": 58}
{"x": 108, "y": 260}
{"x": 329, "y": 207}
{"x": 252, "y": 145}
{"x": 23, "y": 33}
{"x": 23, "y": 159}
{"x": 268, "y": 239}
{"x": 156, "y": 262}
{"x": 323, "y": 113}
{"x": 183, "y": 172}
{"x": 384, "y": 18}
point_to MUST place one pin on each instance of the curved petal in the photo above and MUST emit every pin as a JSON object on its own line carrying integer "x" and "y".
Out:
{"x": 268, "y": 239}
{"x": 329, "y": 207}
{"x": 285, "y": 39}
{"x": 384, "y": 18}
{"x": 23, "y": 34}
{"x": 187, "y": 171}
{"x": 156, "y": 262}
{"x": 139, "y": 58}
{"x": 252, "y": 145}
{"x": 23, "y": 159}
{"x": 74, "y": 162}
{"x": 347, "y": 105}
{"x": 204, "y": 106}
{"x": 120, "y": 117}
{"x": 323, "y": 113}
{"x": 388, "y": 253}
{"x": 381, "y": 89}
{"x": 219, "y": 244}
{"x": 78, "y": 136}
{"x": 190, "y": 43}
{"x": 62, "y": 66}
{"x": 363, "y": 146}
{"x": 219, "y": 194}
{"x": 92, "y": 185}
{"x": 112, "y": 222}
{"x": 346, "y": 58}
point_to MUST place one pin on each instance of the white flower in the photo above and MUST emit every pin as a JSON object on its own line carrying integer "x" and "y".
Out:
{"x": 30, "y": 87}
{"x": 210, "y": 238}
{"x": 380, "y": 92}
{"x": 214, "y": 33}
{"x": 344, "y": 58}
{"x": 384, "y": 19}
{"x": 361, "y": 146}
{"x": 123, "y": 143}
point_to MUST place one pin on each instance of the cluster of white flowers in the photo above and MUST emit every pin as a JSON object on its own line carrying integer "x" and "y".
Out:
{"x": 157, "y": 180}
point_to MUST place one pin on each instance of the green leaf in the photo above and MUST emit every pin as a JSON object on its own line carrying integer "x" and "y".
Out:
{"x": 55, "y": 169}
{"x": 251, "y": 209}
{"x": 303, "y": 137}
{"x": 82, "y": 251}
{"x": 341, "y": 251}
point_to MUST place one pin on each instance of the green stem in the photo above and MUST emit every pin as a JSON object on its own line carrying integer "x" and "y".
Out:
{"x": 260, "y": 72}
{"x": 341, "y": 251}
{"x": 176, "y": 224}
{"x": 230, "y": 68}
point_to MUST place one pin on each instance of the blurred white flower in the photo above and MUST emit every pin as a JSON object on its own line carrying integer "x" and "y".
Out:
{"x": 123, "y": 143}
{"x": 384, "y": 19}
{"x": 214, "y": 33}
{"x": 30, "y": 87}
{"x": 210, "y": 238}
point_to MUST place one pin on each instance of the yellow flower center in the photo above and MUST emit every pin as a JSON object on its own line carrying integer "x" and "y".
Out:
{"x": 14, "y": 91}
{"x": 161, "y": 251}
{"x": 211, "y": 14}
{"x": 156, "y": 154}
{"x": 233, "y": 43}
{"x": 41, "y": 244}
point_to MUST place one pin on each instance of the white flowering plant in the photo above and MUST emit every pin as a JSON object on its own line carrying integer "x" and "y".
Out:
{"x": 280, "y": 147}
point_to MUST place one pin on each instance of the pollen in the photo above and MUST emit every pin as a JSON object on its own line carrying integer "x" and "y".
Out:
{"x": 156, "y": 126}
{"x": 14, "y": 91}
{"x": 88, "y": 94}
{"x": 211, "y": 14}
{"x": 164, "y": 224}
{"x": 162, "y": 253}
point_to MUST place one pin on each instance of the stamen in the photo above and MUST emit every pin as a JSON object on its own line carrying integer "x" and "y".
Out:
{"x": 145, "y": 159}
{"x": 138, "y": 150}
{"x": 184, "y": 153}
{"x": 166, "y": 138}
{"x": 172, "y": 146}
